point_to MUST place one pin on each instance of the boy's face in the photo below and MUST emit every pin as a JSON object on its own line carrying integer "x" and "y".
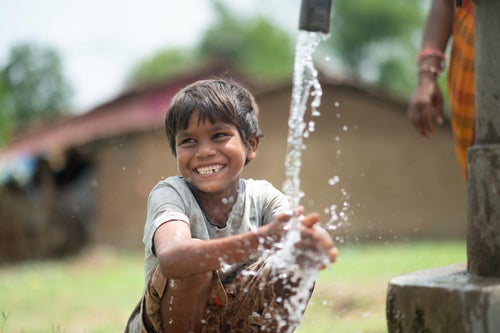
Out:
{"x": 212, "y": 156}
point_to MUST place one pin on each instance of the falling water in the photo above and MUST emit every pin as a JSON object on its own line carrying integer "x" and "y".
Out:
{"x": 286, "y": 266}
{"x": 305, "y": 79}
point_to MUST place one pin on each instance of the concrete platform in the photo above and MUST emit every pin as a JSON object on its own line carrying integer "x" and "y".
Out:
{"x": 446, "y": 299}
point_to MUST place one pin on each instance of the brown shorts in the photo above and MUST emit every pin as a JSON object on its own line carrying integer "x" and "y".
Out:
{"x": 252, "y": 302}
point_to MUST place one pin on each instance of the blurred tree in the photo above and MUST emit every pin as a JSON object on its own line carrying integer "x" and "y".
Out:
{"x": 376, "y": 40}
{"x": 162, "y": 65}
{"x": 254, "y": 46}
{"x": 32, "y": 84}
{"x": 6, "y": 122}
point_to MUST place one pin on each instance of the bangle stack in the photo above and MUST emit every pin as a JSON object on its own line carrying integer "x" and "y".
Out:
{"x": 431, "y": 52}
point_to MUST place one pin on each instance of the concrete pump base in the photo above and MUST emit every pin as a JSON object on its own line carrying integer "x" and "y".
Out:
{"x": 446, "y": 299}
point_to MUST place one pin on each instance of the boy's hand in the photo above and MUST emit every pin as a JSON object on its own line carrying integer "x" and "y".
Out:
{"x": 274, "y": 231}
{"x": 316, "y": 239}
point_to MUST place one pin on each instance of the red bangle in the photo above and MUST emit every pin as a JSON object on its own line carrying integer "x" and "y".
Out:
{"x": 428, "y": 52}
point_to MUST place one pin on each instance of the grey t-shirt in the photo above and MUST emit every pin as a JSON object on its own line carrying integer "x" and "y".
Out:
{"x": 258, "y": 202}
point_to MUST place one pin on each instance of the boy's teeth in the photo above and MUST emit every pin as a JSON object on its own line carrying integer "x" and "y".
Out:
{"x": 209, "y": 169}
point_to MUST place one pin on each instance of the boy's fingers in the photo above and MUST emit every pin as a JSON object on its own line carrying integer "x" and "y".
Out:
{"x": 285, "y": 216}
{"x": 310, "y": 220}
{"x": 333, "y": 253}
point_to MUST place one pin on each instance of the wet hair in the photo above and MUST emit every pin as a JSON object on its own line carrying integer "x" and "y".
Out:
{"x": 214, "y": 100}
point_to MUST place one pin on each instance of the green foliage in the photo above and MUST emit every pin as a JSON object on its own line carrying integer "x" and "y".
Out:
{"x": 255, "y": 46}
{"x": 162, "y": 65}
{"x": 6, "y": 103}
{"x": 376, "y": 40}
{"x": 31, "y": 85}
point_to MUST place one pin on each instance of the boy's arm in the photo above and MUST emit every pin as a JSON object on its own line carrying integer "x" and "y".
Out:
{"x": 179, "y": 255}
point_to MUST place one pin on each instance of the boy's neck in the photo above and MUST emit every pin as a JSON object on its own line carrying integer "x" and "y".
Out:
{"x": 216, "y": 207}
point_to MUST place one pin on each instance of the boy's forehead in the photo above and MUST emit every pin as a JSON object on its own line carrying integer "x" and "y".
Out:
{"x": 200, "y": 118}
{"x": 197, "y": 119}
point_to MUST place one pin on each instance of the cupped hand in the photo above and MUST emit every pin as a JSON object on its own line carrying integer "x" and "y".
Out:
{"x": 316, "y": 239}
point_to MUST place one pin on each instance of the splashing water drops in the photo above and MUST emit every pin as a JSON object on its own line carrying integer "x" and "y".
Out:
{"x": 334, "y": 180}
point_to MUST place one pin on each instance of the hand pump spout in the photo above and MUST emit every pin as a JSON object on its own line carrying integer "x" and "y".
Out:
{"x": 315, "y": 15}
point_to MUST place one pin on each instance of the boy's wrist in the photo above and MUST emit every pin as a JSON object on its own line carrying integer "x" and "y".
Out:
{"x": 265, "y": 238}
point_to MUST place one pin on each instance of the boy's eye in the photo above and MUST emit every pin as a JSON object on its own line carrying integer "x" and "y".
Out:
{"x": 186, "y": 141}
{"x": 219, "y": 135}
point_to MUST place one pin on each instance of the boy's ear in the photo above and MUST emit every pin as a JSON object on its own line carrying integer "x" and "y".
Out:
{"x": 252, "y": 147}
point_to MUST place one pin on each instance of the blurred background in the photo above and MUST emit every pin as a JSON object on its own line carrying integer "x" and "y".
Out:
{"x": 83, "y": 89}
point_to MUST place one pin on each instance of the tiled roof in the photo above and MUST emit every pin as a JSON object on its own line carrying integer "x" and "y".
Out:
{"x": 134, "y": 111}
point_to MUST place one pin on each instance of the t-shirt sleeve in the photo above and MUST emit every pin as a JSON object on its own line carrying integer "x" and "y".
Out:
{"x": 165, "y": 204}
{"x": 273, "y": 202}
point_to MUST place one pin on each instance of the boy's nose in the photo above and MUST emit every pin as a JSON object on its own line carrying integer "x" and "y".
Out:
{"x": 205, "y": 150}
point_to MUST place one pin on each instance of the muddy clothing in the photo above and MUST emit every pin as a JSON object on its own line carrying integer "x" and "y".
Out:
{"x": 461, "y": 87}
{"x": 251, "y": 303}
{"x": 257, "y": 203}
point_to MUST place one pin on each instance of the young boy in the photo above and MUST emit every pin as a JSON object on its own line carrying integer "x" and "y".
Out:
{"x": 208, "y": 232}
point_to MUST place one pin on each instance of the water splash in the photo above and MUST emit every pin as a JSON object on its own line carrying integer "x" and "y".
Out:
{"x": 298, "y": 267}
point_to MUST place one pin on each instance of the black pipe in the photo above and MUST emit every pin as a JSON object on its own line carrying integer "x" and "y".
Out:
{"x": 315, "y": 15}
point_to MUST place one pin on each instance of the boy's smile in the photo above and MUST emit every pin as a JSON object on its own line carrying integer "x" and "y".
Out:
{"x": 206, "y": 170}
{"x": 211, "y": 156}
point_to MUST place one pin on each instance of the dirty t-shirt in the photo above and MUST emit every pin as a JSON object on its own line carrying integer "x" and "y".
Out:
{"x": 258, "y": 202}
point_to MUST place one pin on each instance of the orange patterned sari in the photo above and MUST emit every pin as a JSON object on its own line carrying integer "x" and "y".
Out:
{"x": 461, "y": 87}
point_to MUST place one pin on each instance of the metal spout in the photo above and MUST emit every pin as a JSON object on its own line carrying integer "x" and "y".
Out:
{"x": 315, "y": 15}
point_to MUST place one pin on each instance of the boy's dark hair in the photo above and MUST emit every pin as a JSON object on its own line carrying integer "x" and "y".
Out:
{"x": 214, "y": 99}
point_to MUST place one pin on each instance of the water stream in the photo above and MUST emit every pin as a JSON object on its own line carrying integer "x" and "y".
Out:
{"x": 306, "y": 88}
{"x": 305, "y": 79}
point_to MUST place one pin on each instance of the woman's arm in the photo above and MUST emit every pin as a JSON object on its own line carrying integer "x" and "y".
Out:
{"x": 426, "y": 104}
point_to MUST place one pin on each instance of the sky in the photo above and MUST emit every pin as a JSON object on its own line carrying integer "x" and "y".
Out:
{"x": 99, "y": 41}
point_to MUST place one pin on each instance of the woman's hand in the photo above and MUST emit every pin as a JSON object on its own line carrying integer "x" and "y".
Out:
{"x": 426, "y": 104}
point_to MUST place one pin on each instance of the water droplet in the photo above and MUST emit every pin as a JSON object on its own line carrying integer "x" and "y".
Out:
{"x": 311, "y": 126}
{"x": 334, "y": 180}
